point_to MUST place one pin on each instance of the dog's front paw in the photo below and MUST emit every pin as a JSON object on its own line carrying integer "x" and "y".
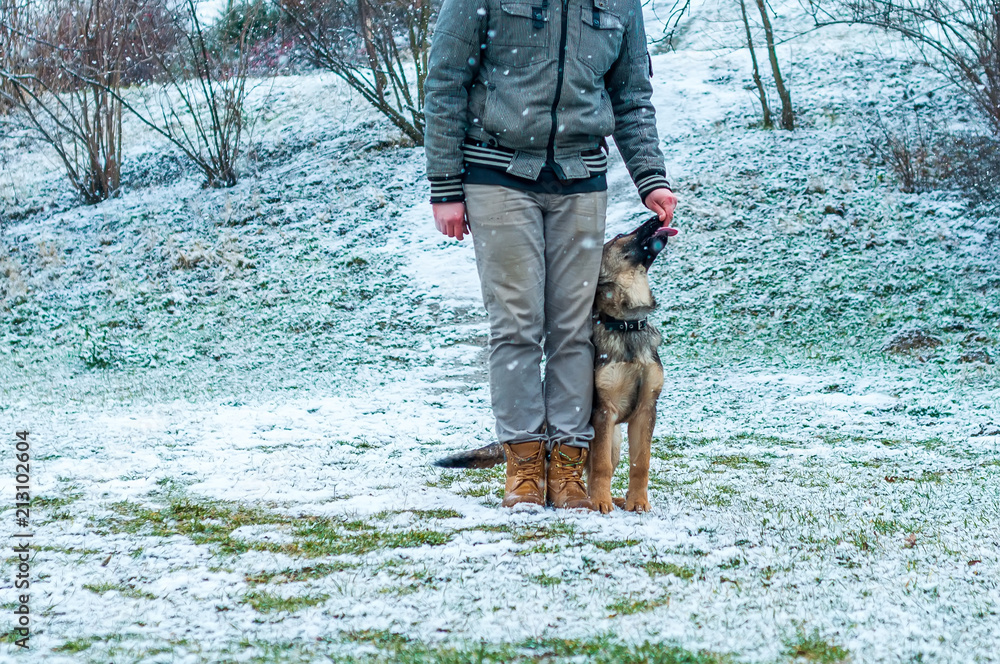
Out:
{"x": 638, "y": 503}
{"x": 605, "y": 503}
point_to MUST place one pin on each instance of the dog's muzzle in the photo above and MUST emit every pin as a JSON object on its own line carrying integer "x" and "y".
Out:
{"x": 650, "y": 240}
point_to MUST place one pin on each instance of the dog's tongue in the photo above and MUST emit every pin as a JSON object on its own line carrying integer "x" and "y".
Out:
{"x": 665, "y": 231}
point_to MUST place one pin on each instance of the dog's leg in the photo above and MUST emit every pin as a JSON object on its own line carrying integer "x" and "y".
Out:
{"x": 616, "y": 447}
{"x": 640, "y": 434}
{"x": 640, "y": 441}
{"x": 600, "y": 470}
{"x": 616, "y": 455}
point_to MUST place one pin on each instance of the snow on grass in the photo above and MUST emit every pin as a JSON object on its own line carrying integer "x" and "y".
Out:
{"x": 234, "y": 395}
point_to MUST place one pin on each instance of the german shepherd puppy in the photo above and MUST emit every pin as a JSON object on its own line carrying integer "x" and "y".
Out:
{"x": 628, "y": 375}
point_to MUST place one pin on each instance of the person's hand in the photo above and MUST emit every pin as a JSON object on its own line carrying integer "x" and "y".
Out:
{"x": 450, "y": 219}
{"x": 662, "y": 201}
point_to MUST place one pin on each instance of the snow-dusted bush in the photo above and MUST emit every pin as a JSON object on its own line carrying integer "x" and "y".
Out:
{"x": 961, "y": 38}
{"x": 379, "y": 48}
{"x": 63, "y": 66}
{"x": 200, "y": 108}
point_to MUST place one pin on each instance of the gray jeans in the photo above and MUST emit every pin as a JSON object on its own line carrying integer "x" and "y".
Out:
{"x": 539, "y": 256}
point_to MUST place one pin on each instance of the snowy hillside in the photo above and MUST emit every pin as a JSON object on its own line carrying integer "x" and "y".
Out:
{"x": 233, "y": 396}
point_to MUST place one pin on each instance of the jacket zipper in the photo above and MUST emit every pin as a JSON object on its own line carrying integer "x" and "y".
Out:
{"x": 550, "y": 151}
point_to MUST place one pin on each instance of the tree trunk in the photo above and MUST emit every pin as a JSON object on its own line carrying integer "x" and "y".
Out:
{"x": 365, "y": 17}
{"x": 768, "y": 124}
{"x": 787, "y": 114}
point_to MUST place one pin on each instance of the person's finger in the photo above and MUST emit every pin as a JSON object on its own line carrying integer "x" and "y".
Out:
{"x": 655, "y": 206}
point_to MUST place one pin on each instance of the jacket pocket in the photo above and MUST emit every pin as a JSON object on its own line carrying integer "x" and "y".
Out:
{"x": 518, "y": 34}
{"x": 606, "y": 114}
{"x": 600, "y": 40}
{"x": 490, "y": 102}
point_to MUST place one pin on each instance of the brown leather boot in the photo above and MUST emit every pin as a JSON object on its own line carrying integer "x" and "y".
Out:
{"x": 525, "y": 473}
{"x": 565, "y": 478}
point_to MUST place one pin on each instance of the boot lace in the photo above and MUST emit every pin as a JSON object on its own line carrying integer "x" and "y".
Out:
{"x": 526, "y": 469}
{"x": 574, "y": 468}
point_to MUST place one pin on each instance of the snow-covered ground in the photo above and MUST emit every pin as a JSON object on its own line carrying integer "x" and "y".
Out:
{"x": 233, "y": 396}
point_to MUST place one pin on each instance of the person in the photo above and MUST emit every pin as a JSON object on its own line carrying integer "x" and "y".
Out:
{"x": 519, "y": 97}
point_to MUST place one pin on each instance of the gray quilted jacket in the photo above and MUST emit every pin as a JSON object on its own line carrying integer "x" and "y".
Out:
{"x": 539, "y": 80}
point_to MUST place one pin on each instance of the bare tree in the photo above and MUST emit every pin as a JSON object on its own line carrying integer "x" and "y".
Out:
{"x": 964, "y": 34}
{"x": 672, "y": 28}
{"x": 373, "y": 45}
{"x": 784, "y": 94}
{"x": 62, "y": 70}
{"x": 673, "y": 22}
{"x": 765, "y": 109}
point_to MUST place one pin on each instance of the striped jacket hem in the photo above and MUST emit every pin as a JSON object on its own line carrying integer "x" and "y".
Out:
{"x": 448, "y": 189}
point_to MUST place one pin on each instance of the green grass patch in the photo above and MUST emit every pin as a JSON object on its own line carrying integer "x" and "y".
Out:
{"x": 812, "y": 647}
{"x": 545, "y": 580}
{"x": 604, "y": 649}
{"x": 289, "y": 575}
{"x": 659, "y": 568}
{"x": 736, "y": 461}
{"x": 477, "y": 476}
{"x": 208, "y": 521}
{"x": 483, "y": 491}
{"x": 550, "y": 531}
{"x": 263, "y": 602}
{"x": 69, "y": 550}
{"x": 326, "y": 537}
{"x": 76, "y": 645}
{"x": 629, "y": 605}
{"x": 611, "y": 545}
{"x": 542, "y": 548}
{"x": 420, "y": 514}
{"x": 861, "y": 539}
{"x": 211, "y": 522}
{"x": 885, "y": 527}
{"x": 491, "y": 528}
{"x": 124, "y": 590}
{"x": 54, "y": 502}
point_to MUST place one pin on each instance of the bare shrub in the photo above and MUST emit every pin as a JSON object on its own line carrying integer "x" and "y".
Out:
{"x": 923, "y": 158}
{"x": 964, "y": 35}
{"x": 379, "y": 48}
{"x": 68, "y": 69}
{"x": 907, "y": 149}
{"x": 10, "y": 44}
{"x": 974, "y": 167}
{"x": 910, "y": 341}
{"x": 200, "y": 106}
{"x": 63, "y": 73}
{"x": 12, "y": 286}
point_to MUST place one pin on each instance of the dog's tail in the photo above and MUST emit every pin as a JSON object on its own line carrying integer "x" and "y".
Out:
{"x": 484, "y": 457}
